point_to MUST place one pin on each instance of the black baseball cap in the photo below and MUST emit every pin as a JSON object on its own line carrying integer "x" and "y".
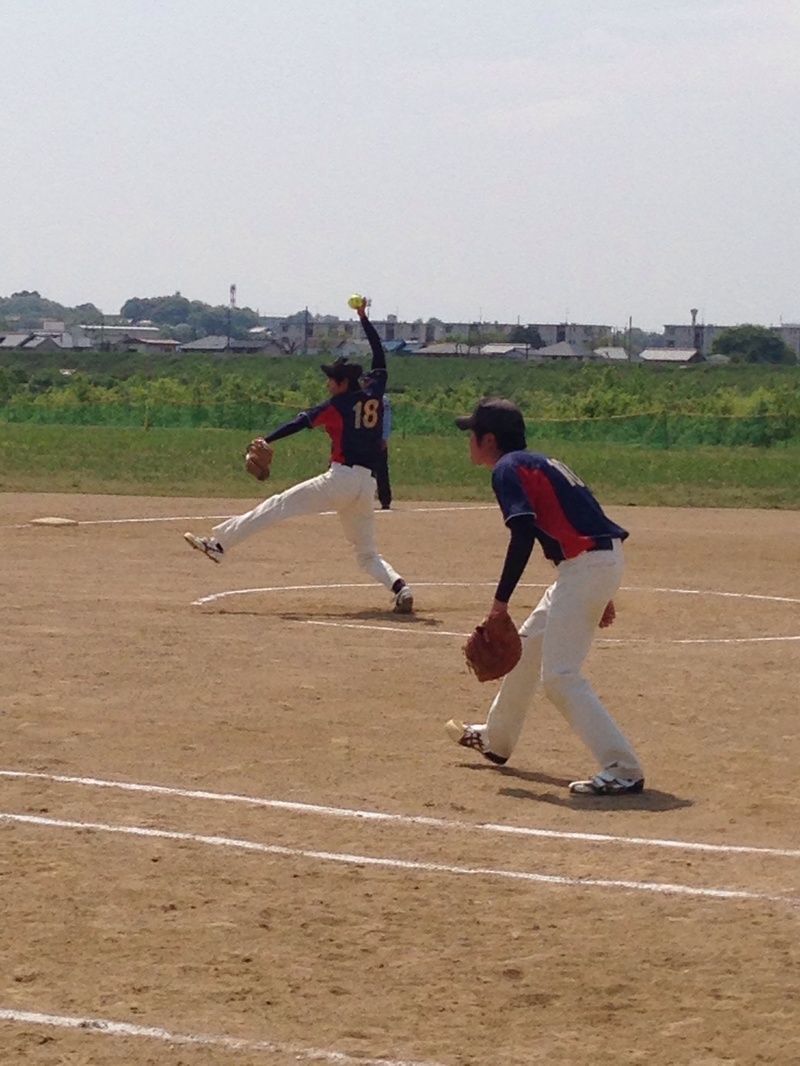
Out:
{"x": 494, "y": 415}
{"x": 343, "y": 370}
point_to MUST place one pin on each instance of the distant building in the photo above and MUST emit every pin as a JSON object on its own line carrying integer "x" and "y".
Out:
{"x": 14, "y": 340}
{"x": 306, "y": 333}
{"x": 301, "y": 334}
{"x": 701, "y": 336}
{"x": 127, "y": 342}
{"x": 614, "y": 354}
{"x": 402, "y": 347}
{"x": 790, "y": 334}
{"x": 696, "y": 336}
{"x": 30, "y": 341}
{"x": 579, "y": 335}
{"x": 670, "y": 356}
{"x": 447, "y": 350}
{"x": 564, "y": 350}
{"x": 507, "y": 351}
{"x": 101, "y": 333}
{"x": 221, "y": 344}
{"x": 483, "y": 351}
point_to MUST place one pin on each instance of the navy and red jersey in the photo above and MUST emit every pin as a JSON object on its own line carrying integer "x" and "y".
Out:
{"x": 568, "y": 519}
{"x": 353, "y": 420}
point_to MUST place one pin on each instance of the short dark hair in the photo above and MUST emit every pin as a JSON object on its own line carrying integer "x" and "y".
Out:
{"x": 343, "y": 370}
{"x": 500, "y": 417}
{"x": 507, "y": 441}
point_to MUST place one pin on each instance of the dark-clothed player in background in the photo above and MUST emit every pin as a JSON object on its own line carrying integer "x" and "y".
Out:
{"x": 382, "y": 469}
{"x": 542, "y": 499}
{"x": 352, "y": 418}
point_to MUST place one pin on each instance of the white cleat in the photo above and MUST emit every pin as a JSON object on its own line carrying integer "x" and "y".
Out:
{"x": 404, "y": 601}
{"x": 606, "y": 784}
{"x": 210, "y": 547}
{"x": 471, "y": 736}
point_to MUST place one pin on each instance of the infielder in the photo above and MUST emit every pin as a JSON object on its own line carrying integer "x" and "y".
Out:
{"x": 382, "y": 469}
{"x": 352, "y": 419}
{"x": 542, "y": 499}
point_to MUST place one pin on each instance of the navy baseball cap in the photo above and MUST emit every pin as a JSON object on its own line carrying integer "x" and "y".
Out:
{"x": 343, "y": 370}
{"x": 494, "y": 415}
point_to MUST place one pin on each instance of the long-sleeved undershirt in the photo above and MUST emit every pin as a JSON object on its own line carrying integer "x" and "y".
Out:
{"x": 523, "y": 537}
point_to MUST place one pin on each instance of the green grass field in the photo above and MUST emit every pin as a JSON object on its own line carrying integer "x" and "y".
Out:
{"x": 209, "y": 462}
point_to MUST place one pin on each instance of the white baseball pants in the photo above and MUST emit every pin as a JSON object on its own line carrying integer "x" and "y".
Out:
{"x": 556, "y": 639}
{"x": 348, "y": 490}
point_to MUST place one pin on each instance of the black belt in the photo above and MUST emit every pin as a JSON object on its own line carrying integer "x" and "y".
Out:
{"x": 602, "y": 544}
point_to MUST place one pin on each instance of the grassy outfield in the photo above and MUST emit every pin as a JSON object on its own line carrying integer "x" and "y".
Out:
{"x": 209, "y": 462}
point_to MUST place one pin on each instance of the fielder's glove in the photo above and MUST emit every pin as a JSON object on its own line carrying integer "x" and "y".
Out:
{"x": 494, "y": 647}
{"x": 258, "y": 458}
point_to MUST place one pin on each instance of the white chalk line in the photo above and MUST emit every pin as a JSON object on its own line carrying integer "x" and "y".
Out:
{"x": 410, "y": 630}
{"x": 402, "y": 819}
{"x": 212, "y": 597}
{"x": 145, "y": 521}
{"x": 482, "y": 584}
{"x": 601, "y": 640}
{"x": 438, "y": 584}
{"x": 713, "y": 592}
{"x": 223, "y": 517}
{"x": 229, "y": 1043}
{"x": 386, "y": 862}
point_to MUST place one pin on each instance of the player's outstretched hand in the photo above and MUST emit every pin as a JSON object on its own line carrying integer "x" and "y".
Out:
{"x": 359, "y": 304}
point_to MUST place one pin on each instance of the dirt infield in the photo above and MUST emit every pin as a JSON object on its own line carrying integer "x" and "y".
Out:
{"x": 245, "y": 904}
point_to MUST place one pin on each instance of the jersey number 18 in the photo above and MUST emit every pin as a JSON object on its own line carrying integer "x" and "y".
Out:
{"x": 366, "y": 413}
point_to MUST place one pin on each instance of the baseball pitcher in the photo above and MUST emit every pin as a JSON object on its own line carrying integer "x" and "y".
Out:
{"x": 352, "y": 418}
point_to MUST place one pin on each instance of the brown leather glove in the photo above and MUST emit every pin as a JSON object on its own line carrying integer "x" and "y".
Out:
{"x": 494, "y": 647}
{"x": 258, "y": 458}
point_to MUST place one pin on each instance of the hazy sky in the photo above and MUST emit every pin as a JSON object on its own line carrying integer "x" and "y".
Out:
{"x": 540, "y": 160}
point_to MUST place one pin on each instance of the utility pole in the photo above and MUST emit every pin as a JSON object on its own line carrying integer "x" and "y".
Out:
{"x": 231, "y": 305}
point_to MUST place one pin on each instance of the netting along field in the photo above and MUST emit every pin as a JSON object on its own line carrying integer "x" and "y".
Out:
{"x": 233, "y": 830}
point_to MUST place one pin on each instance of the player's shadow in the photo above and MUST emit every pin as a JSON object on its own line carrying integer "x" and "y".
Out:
{"x": 369, "y": 615}
{"x": 650, "y": 800}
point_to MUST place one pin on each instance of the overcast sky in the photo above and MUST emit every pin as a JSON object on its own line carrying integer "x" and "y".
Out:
{"x": 494, "y": 160}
